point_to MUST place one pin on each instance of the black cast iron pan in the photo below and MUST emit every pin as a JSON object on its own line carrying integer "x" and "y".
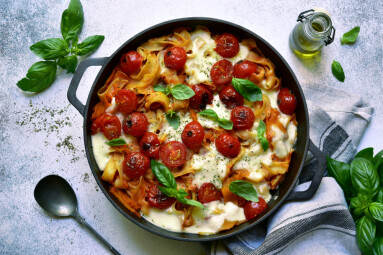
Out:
{"x": 283, "y": 70}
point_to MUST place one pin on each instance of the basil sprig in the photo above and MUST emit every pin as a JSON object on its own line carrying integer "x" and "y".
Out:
{"x": 337, "y": 71}
{"x": 362, "y": 183}
{"x": 223, "y": 123}
{"x": 173, "y": 119}
{"x": 60, "y": 52}
{"x": 247, "y": 89}
{"x": 179, "y": 91}
{"x": 116, "y": 142}
{"x": 351, "y": 36}
{"x": 244, "y": 189}
{"x": 166, "y": 178}
{"x": 261, "y": 135}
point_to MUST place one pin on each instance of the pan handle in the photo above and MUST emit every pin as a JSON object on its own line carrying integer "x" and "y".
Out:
{"x": 321, "y": 168}
{"x": 77, "y": 78}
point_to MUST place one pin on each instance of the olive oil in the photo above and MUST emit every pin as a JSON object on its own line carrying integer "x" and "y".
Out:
{"x": 310, "y": 35}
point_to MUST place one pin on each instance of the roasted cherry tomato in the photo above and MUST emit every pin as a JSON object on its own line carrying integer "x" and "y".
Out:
{"x": 221, "y": 72}
{"x": 135, "y": 164}
{"x": 175, "y": 58}
{"x": 110, "y": 126}
{"x": 157, "y": 199}
{"x": 126, "y": 101}
{"x": 135, "y": 124}
{"x": 130, "y": 62}
{"x": 242, "y": 117}
{"x": 173, "y": 154}
{"x": 227, "y": 45}
{"x": 286, "y": 101}
{"x": 202, "y": 97}
{"x": 192, "y": 135}
{"x": 230, "y": 97}
{"x": 252, "y": 209}
{"x": 228, "y": 145}
{"x": 208, "y": 193}
{"x": 244, "y": 69}
{"x": 150, "y": 145}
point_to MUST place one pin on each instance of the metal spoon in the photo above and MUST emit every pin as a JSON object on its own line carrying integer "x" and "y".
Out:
{"x": 55, "y": 195}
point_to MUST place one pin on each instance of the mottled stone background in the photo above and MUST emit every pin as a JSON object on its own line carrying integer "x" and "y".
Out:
{"x": 42, "y": 134}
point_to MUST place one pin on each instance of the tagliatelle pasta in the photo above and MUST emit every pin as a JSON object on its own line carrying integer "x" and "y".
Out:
{"x": 143, "y": 103}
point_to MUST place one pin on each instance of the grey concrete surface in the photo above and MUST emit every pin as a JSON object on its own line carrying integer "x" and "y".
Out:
{"x": 42, "y": 134}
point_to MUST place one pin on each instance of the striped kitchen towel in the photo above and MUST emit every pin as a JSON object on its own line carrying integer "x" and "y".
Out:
{"x": 322, "y": 225}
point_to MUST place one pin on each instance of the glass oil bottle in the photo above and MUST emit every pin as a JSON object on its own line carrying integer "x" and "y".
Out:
{"x": 313, "y": 31}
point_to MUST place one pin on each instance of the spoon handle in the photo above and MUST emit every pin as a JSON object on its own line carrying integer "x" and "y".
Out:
{"x": 83, "y": 222}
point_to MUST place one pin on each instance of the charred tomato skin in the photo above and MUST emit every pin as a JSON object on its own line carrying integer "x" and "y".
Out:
{"x": 227, "y": 145}
{"x": 150, "y": 145}
{"x": 135, "y": 124}
{"x": 208, "y": 192}
{"x": 109, "y": 125}
{"x": 135, "y": 164}
{"x": 130, "y": 62}
{"x": 175, "y": 58}
{"x": 158, "y": 199}
{"x": 242, "y": 117}
{"x": 230, "y": 97}
{"x": 202, "y": 97}
{"x": 192, "y": 135}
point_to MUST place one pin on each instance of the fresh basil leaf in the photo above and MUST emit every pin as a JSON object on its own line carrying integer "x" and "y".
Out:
{"x": 264, "y": 143}
{"x": 367, "y": 153}
{"x": 365, "y": 233}
{"x": 350, "y": 36}
{"x": 244, "y": 189}
{"x": 161, "y": 88}
{"x": 378, "y": 246}
{"x": 378, "y": 159}
{"x": 379, "y": 196}
{"x": 68, "y": 63}
{"x": 379, "y": 229}
{"x": 225, "y": 124}
{"x": 376, "y": 211}
{"x": 182, "y": 92}
{"x": 173, "y": 119}
{"x": 39, "y": 77}
{"x": 364, "y": 176}
{"x": 163, "y": 174}
{"x": 210, "y": 114}
{"x": 337, "y": 71}
{"x": 247, "y": 89}
{"x": 341, "y": 172}
{"x": 260, "y": 134}
{"x": 170, "y": 192}
{"x": 50, "y": 49}
{"x": 90, "y": 44}
{"x": 180, "y": 196}
{"x": 72, "y": 20}
{"x": 116, "y": 142}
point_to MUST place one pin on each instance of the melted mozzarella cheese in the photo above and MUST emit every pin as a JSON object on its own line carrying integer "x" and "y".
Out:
{"x": 203, "y": 57}
{"x": 283, "y": 143}
{"x": 100, "y": 150}
{"x": 168, "y": 219}
{"x": 221, "y": 111}
{"x": 169, "y": 131}
{"x": 210, "y": 166}
{"x": 211, "y": 219}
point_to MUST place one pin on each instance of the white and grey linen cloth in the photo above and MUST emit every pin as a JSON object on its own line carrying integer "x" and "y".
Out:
{"x": 323, "y": 224}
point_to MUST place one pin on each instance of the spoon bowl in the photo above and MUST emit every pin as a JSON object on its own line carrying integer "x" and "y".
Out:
{"x": 55, "y": 195}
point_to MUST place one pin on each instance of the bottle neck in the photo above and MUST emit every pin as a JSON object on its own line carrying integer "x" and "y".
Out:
{"x": 318, "y": 26}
